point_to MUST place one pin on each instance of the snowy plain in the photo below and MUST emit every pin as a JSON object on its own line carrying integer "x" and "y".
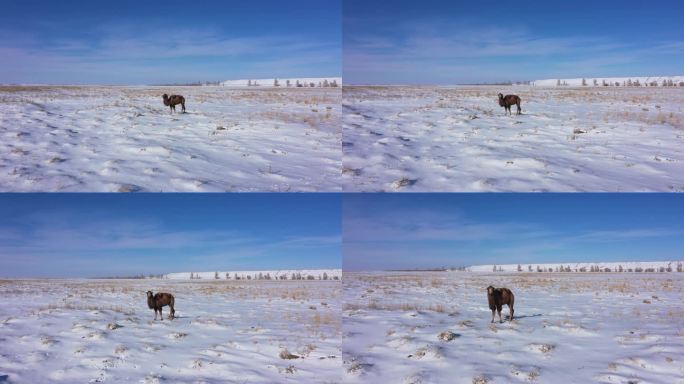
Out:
{"x": 109, "y": 139}
{"x": 434, "y": 327}
{"x": 88, "y": 331}
{"x": 410, "y": 138}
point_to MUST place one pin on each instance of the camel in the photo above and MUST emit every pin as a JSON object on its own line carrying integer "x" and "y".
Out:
{"x": 173, "y": 100}
{"x": 160, "y": 300}
{"x": 497, "y": 297}
{"x": 508, "y": 100}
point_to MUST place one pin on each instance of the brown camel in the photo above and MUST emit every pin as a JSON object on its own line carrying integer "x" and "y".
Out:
{"x": 508, "y": 100}
{"x": 160, "y": 300}
{"x": 497, "y": 297}
{"x": 173, "y": 100}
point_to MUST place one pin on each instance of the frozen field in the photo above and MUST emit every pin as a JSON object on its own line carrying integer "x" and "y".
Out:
{"x": 568, "y": 328}
{"x": 458, "y": 139}
{"x": 80, "y": 331}
{"x": 124, "y": 139}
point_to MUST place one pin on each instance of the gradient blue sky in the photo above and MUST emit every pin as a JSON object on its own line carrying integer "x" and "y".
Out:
{"x": 144, "y": 42}
{"x": 456, "y": 42}
{"x": 404, "y": 231}
{"x": 86, "y": 235}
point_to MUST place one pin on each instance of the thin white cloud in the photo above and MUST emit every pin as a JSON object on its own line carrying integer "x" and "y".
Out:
{"x": 158, "y": 54}
{"x": 460, "y": 52}
{"x": 51, "y": 235}
{"x": 416, "y": 227}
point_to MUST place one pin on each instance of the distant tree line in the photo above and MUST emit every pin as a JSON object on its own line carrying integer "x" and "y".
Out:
{"x": 288, "y": 83}
{"x": 509, "y": 82}
{"x": 595, "y": 268}
{"x": 140, "y": 276}
{"x": 266, "y": 276}
{"x": 625, "y": 83}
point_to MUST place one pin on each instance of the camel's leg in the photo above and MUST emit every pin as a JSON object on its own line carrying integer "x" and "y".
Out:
{"x": 498, "y": 309}
{"x": 183, "y": 105}
{"x": 160, "y": 313}
{"x": 155, "y": 313}
{"x": 510, "y": 307}
{"x": 173, "y": 312}
{"x": 493, "y": 311}
{"x": 518, "y": 104}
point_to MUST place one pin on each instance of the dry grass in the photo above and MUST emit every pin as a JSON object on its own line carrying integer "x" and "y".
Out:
{"x": 615, "y": 105}
{"x": 375, "y": 304}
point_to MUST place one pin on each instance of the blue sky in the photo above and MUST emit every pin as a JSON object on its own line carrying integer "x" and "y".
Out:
{"x": 86, "y": 235}
{"x": 404, "y": 231}
{"x": 456, "y": 42}
{"x": 144, "y": 42}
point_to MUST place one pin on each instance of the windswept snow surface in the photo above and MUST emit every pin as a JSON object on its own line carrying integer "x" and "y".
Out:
{"x": 405, "y": 138}
{"x": 627, "y": 266}
{"x": 275, "y": 274}
{"x": 108, "y": 139}
{"x": 87, "y": 331}
{"x": 568, "y": 328}
{"x": 305, "y": 81}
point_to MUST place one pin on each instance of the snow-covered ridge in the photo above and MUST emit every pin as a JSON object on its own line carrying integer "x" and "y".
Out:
{"x": 620, "y": 266}
{"x": 634, "y": 81}
{"x": 276, "y": 274}
{"x": 302, "y": 82}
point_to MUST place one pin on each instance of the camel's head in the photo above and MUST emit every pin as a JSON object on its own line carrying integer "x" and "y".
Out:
{"x": 490, "y": 290}
{"x": 165, "y": 96}
{"x": 149, "y": 294}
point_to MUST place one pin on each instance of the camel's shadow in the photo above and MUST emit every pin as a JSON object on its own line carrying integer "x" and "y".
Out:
{"x": 523, "y": 316}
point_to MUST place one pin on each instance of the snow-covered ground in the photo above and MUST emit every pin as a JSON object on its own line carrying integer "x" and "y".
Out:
{"x": 275, "y": 274}
{"x": 80, "y": 331}
{"x": 103, "y": 139}
{"x": 567, "y": 139}
{"x": 634, "y": 81}
{"x": 282, "y": 82}
{"x": 568, "y": 328}
{"x": 621, "y": 266}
